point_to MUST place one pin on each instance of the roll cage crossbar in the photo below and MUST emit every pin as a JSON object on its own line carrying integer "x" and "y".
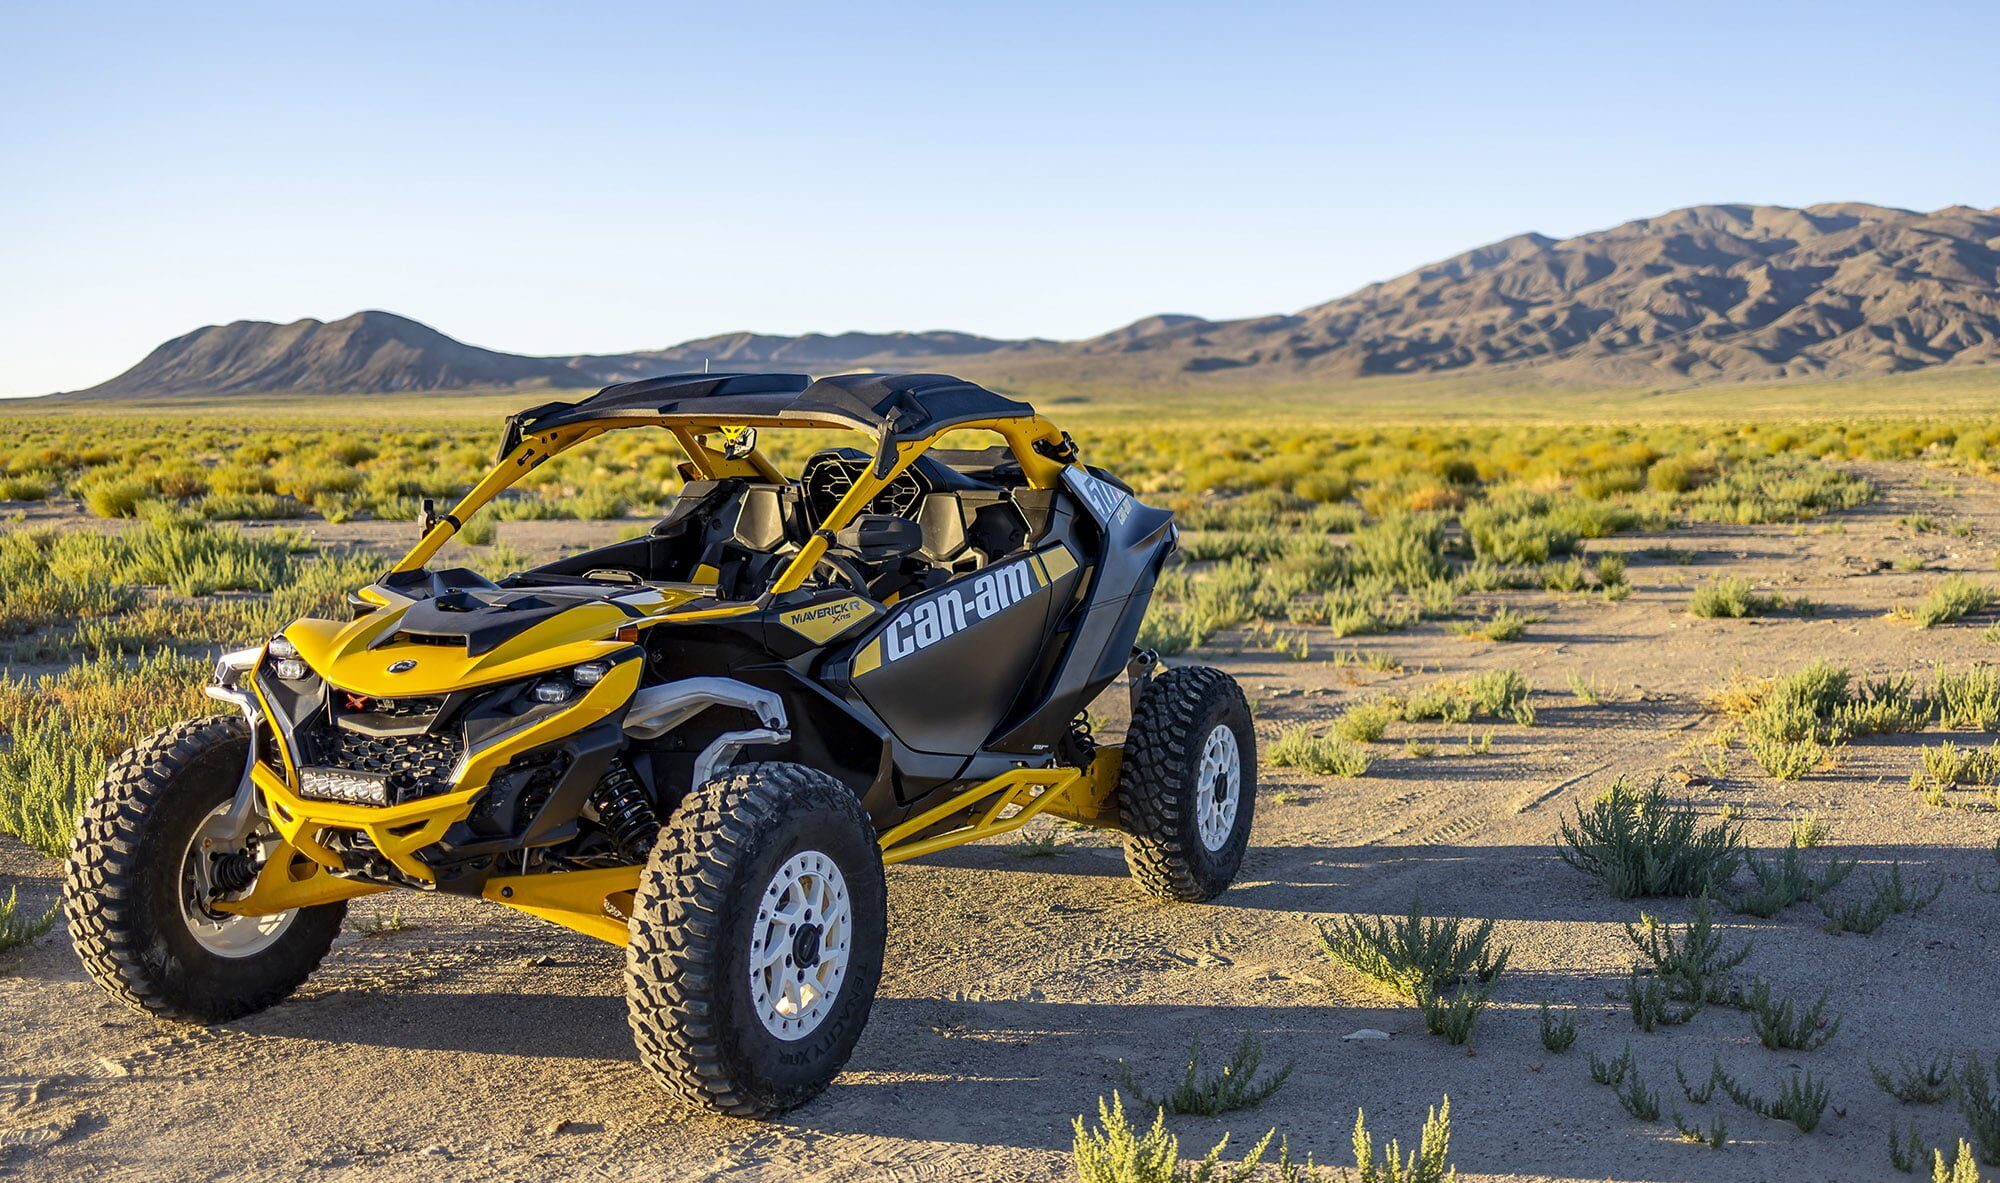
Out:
{"x": 905, "y": 414}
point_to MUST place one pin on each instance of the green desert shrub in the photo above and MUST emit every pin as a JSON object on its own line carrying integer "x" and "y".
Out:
{"x": 1115, "y": 1151}
{"x": 1640, "y": 845}
{"x": 17, "y": 929}
{"x": 1242, "y": 1083}
{"x": 1954, "y": 598}
{"x": 1731, "y": 597}
{"x": 1365, "y": 722}
{"x": 1969, "y": 699}
{"x": 1329, "y": 755}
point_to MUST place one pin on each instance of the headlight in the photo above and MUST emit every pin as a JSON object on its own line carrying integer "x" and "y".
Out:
{"x": 281, "y": 648}
{"x": 590, "y": 673}
{"x": 291, "y": 669}
{"x": 556, "y": 689}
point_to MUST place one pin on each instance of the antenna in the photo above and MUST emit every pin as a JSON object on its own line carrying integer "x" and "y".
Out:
{"x": 704, "y": 365}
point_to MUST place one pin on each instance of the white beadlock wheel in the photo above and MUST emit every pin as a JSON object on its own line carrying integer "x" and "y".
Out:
{"x": 222, "y": 933}
{"x": 1187, "y": 788}
{"x": 799, "y": 945}
{"x": 1219, "y": 785}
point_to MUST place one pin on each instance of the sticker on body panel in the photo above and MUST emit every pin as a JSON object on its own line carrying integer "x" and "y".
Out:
{"x": 923, "y": 623}
{"x": 1107, "y": 502}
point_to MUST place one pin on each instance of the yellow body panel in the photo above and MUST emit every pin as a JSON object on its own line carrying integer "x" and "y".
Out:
{"x": 341, "y": 653}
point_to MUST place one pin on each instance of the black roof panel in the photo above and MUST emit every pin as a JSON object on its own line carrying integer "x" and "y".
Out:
{"x": 900, "y": 405}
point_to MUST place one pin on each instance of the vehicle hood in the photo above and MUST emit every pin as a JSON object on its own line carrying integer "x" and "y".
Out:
{"x": 470, "y": 638}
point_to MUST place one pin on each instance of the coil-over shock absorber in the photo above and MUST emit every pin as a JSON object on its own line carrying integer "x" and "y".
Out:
{"x": 625, "y": 812}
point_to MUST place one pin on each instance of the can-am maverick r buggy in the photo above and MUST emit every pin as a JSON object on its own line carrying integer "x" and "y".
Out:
{"x": 702, "y": 744}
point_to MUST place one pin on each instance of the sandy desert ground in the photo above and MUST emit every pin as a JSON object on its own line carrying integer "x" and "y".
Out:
{"x": 451, "y": 1040}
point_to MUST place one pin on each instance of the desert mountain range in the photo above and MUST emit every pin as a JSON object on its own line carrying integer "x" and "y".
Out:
{"x": 1709, "y": 293}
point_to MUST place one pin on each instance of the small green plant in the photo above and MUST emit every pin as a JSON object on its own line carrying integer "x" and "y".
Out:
{"x": 1632, "y": 1092}
{"x": 1714, "y": 1137}
{"x": 1801, "y": 1099}
{"x": 1613, "y": 1071}
{"x": 1504, "y": 625}
{"x": 1787, "y": 760}
{"x": 1558, "y": 1031}
{"x": 1430, "y": 1162}
{"x": 1916, "y": 1082}
{"x": 1785, "y": 880}
{"x": 1587, "y": 689}
{"x": 1494, "y": 694}
{"x": 1692, "y": 966}
{"x": 1888, "y": 897}
{"x": 1236, "y": 1085}
{"x": 1640, "y": 845}
{"x": 1730, "y": 597}
{"x": 1420, "y": 751}
{"x": 1809, "y": 831}
{"x": 1114, "y": 1151}
{"x": 1952, "y": 599}
{"x": 1365, "y": 722}
{"x": 1972, "y": 1090}
{"x": 1967, "y": 700}
{"x": 1785, "y": 1025}
{"x": 1041, "y": 845}
{"x": 1652, "y": 1005}
{"x": 1479, "y": 745}
{"x": 1697, "y": 1093}
{"x": 17, "y": 930}
{"x": 1906, "y": 1150}
{"x": 1329, "y": 755}
{"x": 1414, "y": 954}
{"x": 382, "y": 924}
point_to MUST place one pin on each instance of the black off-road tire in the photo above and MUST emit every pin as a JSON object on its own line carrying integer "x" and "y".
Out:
{"x": 1159, "y": 781}
{"x": 122, "y": 889}
{"x": 687, "y": 971}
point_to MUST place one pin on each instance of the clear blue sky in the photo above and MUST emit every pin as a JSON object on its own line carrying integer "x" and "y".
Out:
{"x": 594, "y": 177}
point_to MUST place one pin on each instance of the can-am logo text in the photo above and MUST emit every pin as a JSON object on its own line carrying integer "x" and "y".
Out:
{"x": 929, "y": 621}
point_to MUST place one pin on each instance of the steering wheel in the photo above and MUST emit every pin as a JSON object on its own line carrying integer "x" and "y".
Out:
{"x": 836, "y": 570}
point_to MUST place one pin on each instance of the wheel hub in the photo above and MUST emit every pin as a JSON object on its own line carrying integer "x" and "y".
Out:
{"x": 221, "y": 862}
{"x": 1218, "y": 787}
{"x": 799, "y": 945}
{"x": 805, "y": 946}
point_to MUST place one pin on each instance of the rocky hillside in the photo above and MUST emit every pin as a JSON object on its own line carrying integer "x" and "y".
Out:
{"x": 369, "y": 352}
{"x": 1713, "y": 292}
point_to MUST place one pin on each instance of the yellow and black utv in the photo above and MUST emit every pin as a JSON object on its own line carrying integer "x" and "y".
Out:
{"x": 702, "y": 744}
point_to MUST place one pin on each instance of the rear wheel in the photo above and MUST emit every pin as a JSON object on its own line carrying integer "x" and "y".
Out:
{"x": 1188, "y": 786}
{"x": 152, "y": 855}
{"x": 757, "y": 936}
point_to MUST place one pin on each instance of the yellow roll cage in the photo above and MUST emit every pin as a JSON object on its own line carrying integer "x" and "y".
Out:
{"x": 1023, "y": 433}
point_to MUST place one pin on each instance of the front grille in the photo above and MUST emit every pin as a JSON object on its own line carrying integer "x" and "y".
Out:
{"x": 402, "y": 708}
{"x": 407, "y": 766}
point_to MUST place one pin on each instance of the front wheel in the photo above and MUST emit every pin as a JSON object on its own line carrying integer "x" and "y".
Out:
{"x": 756, "y": 941}
{"x": 153, "y": 853}
{"x": 1188, "y": 784}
